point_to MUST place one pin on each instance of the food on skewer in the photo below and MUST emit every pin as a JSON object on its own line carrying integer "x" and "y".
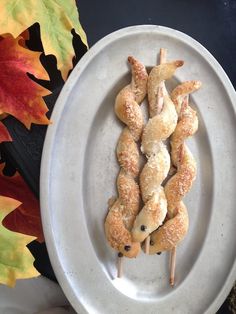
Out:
{"x": 162, "y": 123}
{"x": 168, "y": 236}
{"x": 163, "y": 221}
{"x": 122, "y": 212}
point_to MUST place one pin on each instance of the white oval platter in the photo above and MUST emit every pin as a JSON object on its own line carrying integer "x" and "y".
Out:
{"x": 79, "y": 170}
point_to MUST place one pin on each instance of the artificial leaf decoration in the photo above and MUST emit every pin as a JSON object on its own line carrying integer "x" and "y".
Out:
{"x": 4, "y": 135}
{"x": 56, "y": 18}
{"x": 23, "y": 37}
{"x": 26, "y": 217}
{"x": 19, "y": 95}
{"x": 16, "y": 262}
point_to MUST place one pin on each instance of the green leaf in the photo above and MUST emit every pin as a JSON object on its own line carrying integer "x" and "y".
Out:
{"x": 56, "y": 18}
{"x": 16, "y": 262}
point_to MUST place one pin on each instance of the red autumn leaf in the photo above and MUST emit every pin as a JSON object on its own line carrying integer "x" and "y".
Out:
{"x": 19, "y": 95}
{"x": 23, "y": 37}
{"x": 25, "y": 218}
{"x": 4, "y": 135}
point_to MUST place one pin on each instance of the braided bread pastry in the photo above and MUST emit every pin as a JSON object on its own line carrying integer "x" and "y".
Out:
{"x": 174, "y": 230}
{"x": 159, "y": 127}
{"x": 123, "y": 211}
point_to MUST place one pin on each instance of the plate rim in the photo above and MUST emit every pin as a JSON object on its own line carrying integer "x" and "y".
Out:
{"x": 52, "y": 129}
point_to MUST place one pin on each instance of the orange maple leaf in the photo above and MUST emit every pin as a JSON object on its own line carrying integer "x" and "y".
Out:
{"x": 25, "y": 218}
{"x": 20, "y": 96}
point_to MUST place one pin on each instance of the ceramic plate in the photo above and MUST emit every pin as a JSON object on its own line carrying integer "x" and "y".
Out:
{"x": 79, "y": 170}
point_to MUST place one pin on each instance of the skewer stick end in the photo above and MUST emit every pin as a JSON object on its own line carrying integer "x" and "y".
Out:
{"x": 172, "y": 266}
{"x": 120, "y": 265}
{"x": 163, "y": 55}
{"x": 147, "y": 245}
{"x": 172, "y": 282}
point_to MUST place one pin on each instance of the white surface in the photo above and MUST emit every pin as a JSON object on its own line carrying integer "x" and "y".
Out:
{"x": 32, "y": 296}
{"x": 78, "y": 175}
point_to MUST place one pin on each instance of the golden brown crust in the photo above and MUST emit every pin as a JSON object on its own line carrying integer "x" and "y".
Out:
{"x": 129, "y": 112}
{"x": 182, "y": 90}
{"x": 127, "y": 153}
{"x": 159, "y": 74}
{"x": 160, "y": 127}
{"x": 152, "y": 214}
{"x": 116, "y": 232}
{"x": 121, "y": 215}
{"x": 171, "y": 233}
{"x": 128, "y": 191}
{"x": 139, "y": 79}
{"x": 153, "y": 173}
{"x": 180, "y": 184}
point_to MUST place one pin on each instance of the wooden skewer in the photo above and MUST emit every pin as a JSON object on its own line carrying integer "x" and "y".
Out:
{"x": 120, "y": 265}
{"x": 147, "y": 245}
{"x": 163, "y": 54}
{"x": 172, "y": 266}
{"x": 160, "y": 100}
{"x": 160, "y": 94}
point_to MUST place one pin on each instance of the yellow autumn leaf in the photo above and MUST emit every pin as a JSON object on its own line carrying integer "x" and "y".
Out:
{"x": 16, "y": 261}
{"x": 56, "y": 18}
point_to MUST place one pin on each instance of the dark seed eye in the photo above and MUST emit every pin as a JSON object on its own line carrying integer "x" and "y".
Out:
{"x": 127, "y": 247}
{"x": 143, "y": 228}
{"x": 158, "y": 253}
{"x": 151, "y": 242}
{"x": 120, "y": 254}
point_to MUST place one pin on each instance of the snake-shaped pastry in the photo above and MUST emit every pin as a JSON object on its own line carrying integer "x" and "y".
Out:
{"x": 123, "y": 211}
{"x": 173, "y": 231}
{"x": 159, "y": 127}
